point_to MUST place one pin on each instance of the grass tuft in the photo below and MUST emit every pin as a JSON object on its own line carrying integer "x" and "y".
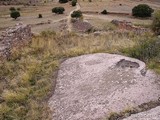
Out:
{"x": 27, "y": 78}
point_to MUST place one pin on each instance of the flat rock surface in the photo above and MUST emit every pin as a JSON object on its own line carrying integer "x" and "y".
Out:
{"x": 89, "y": 87}
{"x": 153, "y": 114}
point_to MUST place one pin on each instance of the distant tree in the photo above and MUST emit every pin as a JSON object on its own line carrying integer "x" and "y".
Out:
{"x": 76, "y": 14}
{"x": 40, "y": 16}
{"x": 63, "y": 1}
{"x": 74, "y": 2}
{"x": 15, "y": 14}
{"x": 58, "y": 10}
{"x": 142, "y": 10}
{"x": 104, "y": 12}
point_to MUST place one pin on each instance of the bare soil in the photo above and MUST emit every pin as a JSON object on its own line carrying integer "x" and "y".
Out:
{"x": 29, "y": 15}
{"x": 121, "y": 6}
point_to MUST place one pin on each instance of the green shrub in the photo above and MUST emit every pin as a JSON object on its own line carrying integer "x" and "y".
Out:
{"x": 40, "y": 16}
{"x": 15, "y": 14}
{"x": 12, "y": 9}
{"x": 156, "y": 22}
{"x": 142, "y": 10}
{"x": 63, "y": 1}
{"x": 74, "y": 2}
{"x": 104, "y": 12}
{"x": 58, "y": 10}
{"x": 76, "y": 14}
{"x": 145, "y": 50}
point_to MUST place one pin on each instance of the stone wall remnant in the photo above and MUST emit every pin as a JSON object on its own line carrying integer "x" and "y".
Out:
{"x": 129, "y": 26}
{"x": 16, "y": 36}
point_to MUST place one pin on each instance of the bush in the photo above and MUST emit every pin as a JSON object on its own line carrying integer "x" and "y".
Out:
{"x": 104, "y": 12}
{"x": 142, "y": 10}
{"x": 145, "y": 49}
{"x": 156, "y": 22}
{"x": 15, "y": 14}
{"x": 76, "y": 14}
{"x": 40, "y": 16}
{"x": 12, "y": 9}
{"x": 58, "y": 10}
{"x": 74, "y": 2}
{"x": 63, "y": 1}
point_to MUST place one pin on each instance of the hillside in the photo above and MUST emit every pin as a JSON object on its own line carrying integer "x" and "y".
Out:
{"x": 88, "y": 60}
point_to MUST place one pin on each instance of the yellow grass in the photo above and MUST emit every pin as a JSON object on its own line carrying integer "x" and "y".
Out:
{"x": 27, "y": 79}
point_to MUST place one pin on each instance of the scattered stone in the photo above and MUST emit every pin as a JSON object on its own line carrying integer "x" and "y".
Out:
{"x": 82, "y": 26}
{"x": 129, "y": 26}
{"x": 15, "y": 36}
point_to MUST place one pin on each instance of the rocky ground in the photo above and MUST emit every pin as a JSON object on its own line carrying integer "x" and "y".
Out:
{"x": 90, "y": 87}
{"x": 153, "y": 114}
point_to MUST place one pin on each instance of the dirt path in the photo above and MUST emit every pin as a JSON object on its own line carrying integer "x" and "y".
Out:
{"x": 69, "y": 17}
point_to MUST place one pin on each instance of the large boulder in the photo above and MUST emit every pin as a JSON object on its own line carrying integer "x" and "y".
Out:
{"x": 81, "y": 26}
{"x": 90, "y": 87}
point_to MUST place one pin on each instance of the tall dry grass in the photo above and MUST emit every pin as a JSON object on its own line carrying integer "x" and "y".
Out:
{"x": 27, "y": 79}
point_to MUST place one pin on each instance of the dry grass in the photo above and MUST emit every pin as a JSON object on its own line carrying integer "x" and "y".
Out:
{"x": 132, "y": 110}
{"x": 147, "y": 50}
{"x": 27, "y": 79}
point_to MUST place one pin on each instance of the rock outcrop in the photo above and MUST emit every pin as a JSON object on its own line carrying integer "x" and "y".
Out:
{"x": 16, "y": 36}
{"x": 90, "y": 87}
{"x": 82, "y": 26}
{"x": 129, "y": 26}
{"x": 153, "y": 114}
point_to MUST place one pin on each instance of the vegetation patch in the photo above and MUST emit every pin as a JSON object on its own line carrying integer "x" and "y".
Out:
{"x": 74, "y": 2}
{"x": 147, "y": 50}
{"x": 15, "y": 14}
{"x": 127, "y": 112}
{"x": 142, "y": 10}
{"x": 104, "y": 12}
{"x": 63, "y": 1}
{"x": 27, "y": 79}
{"x": 156, "y": 22}
{"x": 76, "y": 14}
{"x": 40, "y": 16}
{"x": 58, "y": 10}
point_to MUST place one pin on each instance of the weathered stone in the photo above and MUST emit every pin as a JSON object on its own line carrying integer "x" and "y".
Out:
{"x": 90, "y": 87}
{"x": 15, "y": 36}
{"x": 81, "y": 26}
{"x": 129, "y": 26}
{"x": 153, "y": 114}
